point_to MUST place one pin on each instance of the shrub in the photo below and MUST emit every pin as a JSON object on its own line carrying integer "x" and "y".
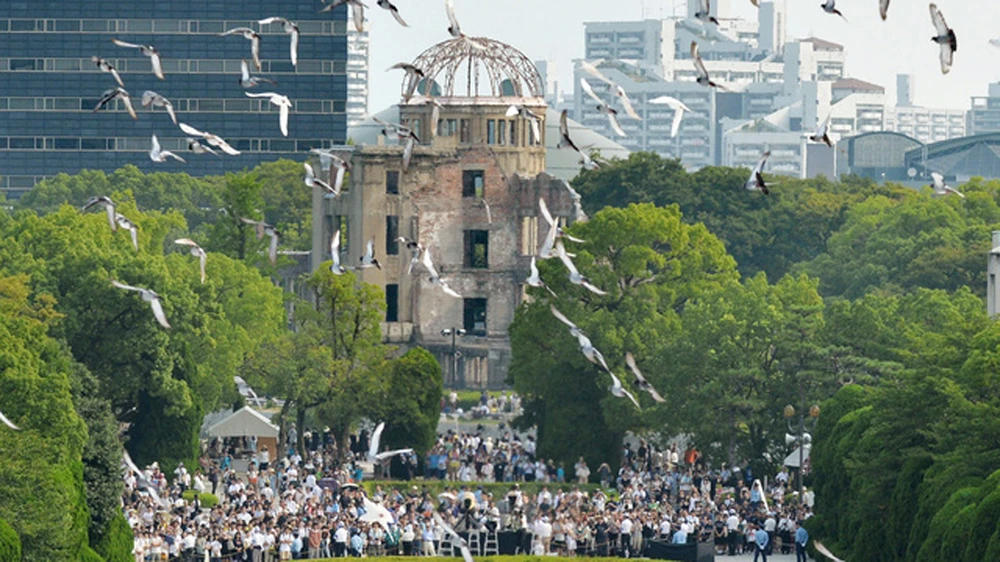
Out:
{"x": 117, "y": 541}
{"x": 10, "y": 544}
{"x": 207, "y": 500}
{"x": 87, "y": 554}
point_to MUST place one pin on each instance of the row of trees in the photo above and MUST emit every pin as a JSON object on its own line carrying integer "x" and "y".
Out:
{"x": 81, "y": 361}
{"x": 735, "y": 305}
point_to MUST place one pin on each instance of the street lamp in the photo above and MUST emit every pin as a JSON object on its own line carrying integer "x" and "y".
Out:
{"x": 800, "y": 437}
{"x": 455, "y": 354}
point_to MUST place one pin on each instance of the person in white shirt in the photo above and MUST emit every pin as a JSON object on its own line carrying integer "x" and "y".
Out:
{"x": 285, "y": 544}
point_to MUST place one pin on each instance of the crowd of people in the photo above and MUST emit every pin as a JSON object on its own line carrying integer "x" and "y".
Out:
{"x": 306, "y": 505}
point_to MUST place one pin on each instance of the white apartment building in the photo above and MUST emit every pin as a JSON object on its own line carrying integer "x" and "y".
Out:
{"x": 357, "y": 75}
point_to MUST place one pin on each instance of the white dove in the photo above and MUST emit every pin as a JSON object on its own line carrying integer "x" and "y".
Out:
{"x": 435, "y": 279}
{"x": 357, "y": 11}
{"x": 454, "y": 538}
{"x": 678, "y": 107}
{"x": 603, "y": 108}
{"x": 148, "y": 50}
{"x": 640, "y": 381}
{"x": 574, "y": 275}
{"x": 150, "y": 97}
{"x": 130, "y": 226}
{"x": 335, "y": 267}
{"x": 284, "y": 104}
{"x": 312, "y": 181}
{"x": 756, "y": 180}
{"x": 263, "y": 228}
{"x": 292, "y": 29}
{"x": 618, "y": 390}
{"x": 455, "y": 30}
{"x": 822, "y": 133}
{"x": 251, "y": 36}
{"x": 109, "y": 208}
{"x": 212, "y": 139}
{"x": 8, "y": 423}
{"x": 116, "y": 93}
{"x": 197, "y": 252}
{"x": 415, "y": 248}
{"x": 535, "y": 279}
{"x": 699, "y": 66}
{"x": 149, "y": 296}
{"x": 941, "y": 188}
{"x": 526, "y": 113}
{"x": 246, "y": 390}
{"x": 157, "y": 154}
{"x": 247, "y": 80}
{"x": 945, "y": 38}
{"x": 106, "y": 66}
{"x": 368, "y": 260}
{"x": 198, "y": 148}
{"x": 615, "y": 88}
{"x": 373, "y": 446}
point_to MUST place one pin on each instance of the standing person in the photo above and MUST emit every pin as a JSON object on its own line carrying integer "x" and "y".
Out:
{"x": 761, "y": 541}
{"x": 801, "y": 539}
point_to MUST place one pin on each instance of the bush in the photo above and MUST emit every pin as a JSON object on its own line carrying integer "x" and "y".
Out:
{"x": 10, "y": 544}
{"x": 117, "y": 541}
{"x": 207, "y": 500}
{"x": 87, "y": 554}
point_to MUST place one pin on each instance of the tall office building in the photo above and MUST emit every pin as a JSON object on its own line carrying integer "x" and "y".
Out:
{"x": 357, "y": 75}
{"x": 984, "y": 115}
{"x": 906, "y": 90}
{"x": 49, "y": 86}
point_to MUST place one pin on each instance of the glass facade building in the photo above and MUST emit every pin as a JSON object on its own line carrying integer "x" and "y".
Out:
{"x": 49, "y": 85}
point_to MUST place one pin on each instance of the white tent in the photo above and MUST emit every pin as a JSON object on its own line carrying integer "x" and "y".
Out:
{"x": 243, "y": 423}
{"x": 792, "y": 460}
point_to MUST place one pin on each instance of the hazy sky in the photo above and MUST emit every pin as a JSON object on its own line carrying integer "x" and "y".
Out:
{"x": 553, "y": 30}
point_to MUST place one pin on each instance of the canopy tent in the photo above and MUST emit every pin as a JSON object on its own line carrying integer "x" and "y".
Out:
{"x": 792, "y": 460}
{"x": 243, "y": 423}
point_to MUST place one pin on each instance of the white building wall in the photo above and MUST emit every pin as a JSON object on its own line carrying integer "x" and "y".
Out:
{"x": 357, "y": 75}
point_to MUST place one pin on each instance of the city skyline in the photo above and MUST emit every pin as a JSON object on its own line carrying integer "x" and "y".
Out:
{"x": 907, "y": 31}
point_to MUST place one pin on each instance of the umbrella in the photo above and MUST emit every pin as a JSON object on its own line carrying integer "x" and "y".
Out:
{"x": 350, "y": 486}
{"x": 328, "y": 483}
{"x": 447, "y": 496}
{"x": 376, "y": 513}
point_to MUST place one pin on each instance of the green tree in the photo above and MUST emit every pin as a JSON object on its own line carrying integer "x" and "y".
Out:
{"x": 652, "y": 264}
{"x": 410, "y": 401}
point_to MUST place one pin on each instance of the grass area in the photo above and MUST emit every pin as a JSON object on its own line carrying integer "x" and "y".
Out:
{"x": 498, "y": 489}
{"x": 478, "y": 559}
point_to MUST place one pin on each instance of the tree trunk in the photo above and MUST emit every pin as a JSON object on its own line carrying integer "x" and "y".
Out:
{"x": 283, "y": 423}
{"x": 300, "y": 421}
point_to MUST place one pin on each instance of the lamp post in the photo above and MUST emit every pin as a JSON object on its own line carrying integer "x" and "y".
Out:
{"x": 455, "y": 354}
{"x": 800, "y": 436}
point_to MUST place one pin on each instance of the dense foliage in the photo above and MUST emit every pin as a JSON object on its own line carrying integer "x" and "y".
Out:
{"x": 872, "y": 305}
{"x": 10, "y": 545}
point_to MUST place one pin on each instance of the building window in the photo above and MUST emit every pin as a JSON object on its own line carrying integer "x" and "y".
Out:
{"x": 391, "y": 233}
{"x": 491, "y": 131}
{"x": 472, "y": 183}
{"x": 501, "y": 132}
{"x": 392, "y": 182}
{"x": 475, "y": 317}
{"x": 392, "y": 303}
{"x": 464, "y": 131}
{"x": 477, "y": 249}
{"x": 448, "y": 128}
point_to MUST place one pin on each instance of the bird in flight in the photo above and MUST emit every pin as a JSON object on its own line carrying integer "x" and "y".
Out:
{"x": 106, "y": 66}
{"x": 284, "y": 105}
{"x": 699, "y": 66}
{"x": 640, "y": 381}
{"x": 574, "y": 275}
{"x": 756, "y": 180}
{"x": 212, "y": 139}
{"x": 312, "y": 181}
{"x": 157, "y": 154}
{"x": 150, "y": 97}
{"x": 335, "y": 267}
{"x": 821, "y": 134}
{"x": 603, "y": 108}
{"x": 369, "y": 260}
{"x": 615, "y": 88}
{"x": 535, "y": 279}
{"x": 386, "y": 4}
{"x": 945, "y": 38}
{"x": 247, "y": 80}
{"x": 149, "y": 296}
{"x": 251, "y": 36}
{"x": 109, "y": 208}
{"x": 131, "y": 227}
{"x": 6, "y": 421}
{"x": 262, "y": 228}
{"x": 357, "y": 11}
{"x": 116, "y": 93}
{"x": 197, "y": 252}
{"x": 413, "y": 74}
{"x": 455, "y": 30}
{"x": 148, "y": 50}
{"x": 941, "y": 188}
{"x": 436, "y": 279}
{"x": 292, "y": 29}
{"x": 678, "y": 107}
{"x": 831, "y": 8}
{"x": 703, "y": 14}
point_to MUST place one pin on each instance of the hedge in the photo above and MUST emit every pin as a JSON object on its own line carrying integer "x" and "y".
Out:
{"x": 499, "y": 489}
{"x": 118, "y": 541}
{"x": 87, "y": 554}
{"x": 10, "y": 544}
{"x": 207, "y": 500}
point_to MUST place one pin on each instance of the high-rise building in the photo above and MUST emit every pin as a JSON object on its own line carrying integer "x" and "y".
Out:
{"x": 906, "y": 89}
{"x": 49, "y": 85}
{"x": 357, "y": 75}
{"x": 984, "y": 116}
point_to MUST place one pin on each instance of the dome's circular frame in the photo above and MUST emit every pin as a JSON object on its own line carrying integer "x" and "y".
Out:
{"x": 482, "y": 67}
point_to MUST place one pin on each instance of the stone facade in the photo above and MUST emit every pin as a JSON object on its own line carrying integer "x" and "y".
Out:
{"x": 441, "y": 200}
